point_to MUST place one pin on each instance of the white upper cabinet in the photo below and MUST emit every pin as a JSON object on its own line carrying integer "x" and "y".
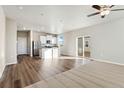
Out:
{"x": 49, "y": 37}
{"x": 43, "y": 39}
{"x": 54, "y": 40}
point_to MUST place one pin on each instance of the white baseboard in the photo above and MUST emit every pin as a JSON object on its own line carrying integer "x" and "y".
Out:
{"x": 106, "y": 61}
{"x": 15, "y": 62}
{"x": 5, "y": 66}
{"x": 2, "y": 71}
{"x": 11, "y": 61}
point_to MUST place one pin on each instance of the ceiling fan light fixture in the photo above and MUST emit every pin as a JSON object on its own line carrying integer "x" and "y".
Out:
{"x": 105, "y": 12}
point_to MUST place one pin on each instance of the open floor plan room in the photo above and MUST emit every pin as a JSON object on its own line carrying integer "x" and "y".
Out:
{"x": 61, "y": 46}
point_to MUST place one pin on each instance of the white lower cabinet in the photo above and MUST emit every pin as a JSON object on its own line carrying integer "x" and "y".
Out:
{"x": 48, "y": 53}
{"x": 55, "y": 53}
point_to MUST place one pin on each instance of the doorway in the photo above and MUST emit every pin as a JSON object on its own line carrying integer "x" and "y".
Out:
{"x": 87, "y": 46}
{"x": 83, "y": 48}
{"x": 79, "y": 48}
{"x": 23, "y": 42}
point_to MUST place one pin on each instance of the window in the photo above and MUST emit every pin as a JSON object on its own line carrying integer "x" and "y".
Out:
{"x": 61, "y": 40}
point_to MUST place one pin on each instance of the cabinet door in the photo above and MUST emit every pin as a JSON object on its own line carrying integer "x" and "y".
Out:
{"x": 43, "y": 39}
{"x": 49, "y": 37}
{"x": 55, "y": 53}
{"x": 47, "y": 53}
{"x": 54, "y": 40}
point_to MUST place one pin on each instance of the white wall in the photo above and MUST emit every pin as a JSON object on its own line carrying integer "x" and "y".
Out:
{"x": 11, "y": 41}
{"x": 2, "y": 41}
{"x": 107, "y": 41}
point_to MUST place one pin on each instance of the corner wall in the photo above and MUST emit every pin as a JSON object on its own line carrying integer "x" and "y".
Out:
{"x": 2, "y": 41}
{"x": 11, "y": 41}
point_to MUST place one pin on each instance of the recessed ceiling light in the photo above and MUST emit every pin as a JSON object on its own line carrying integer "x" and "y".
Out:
{"x": 20, "y": 7}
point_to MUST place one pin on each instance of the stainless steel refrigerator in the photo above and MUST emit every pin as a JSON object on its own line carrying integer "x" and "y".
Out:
{"x": 36, "y": 45}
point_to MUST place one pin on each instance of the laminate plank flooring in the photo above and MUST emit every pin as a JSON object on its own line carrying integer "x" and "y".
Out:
{"x": 31, "y": 70}
{"x": 92, "y": 75}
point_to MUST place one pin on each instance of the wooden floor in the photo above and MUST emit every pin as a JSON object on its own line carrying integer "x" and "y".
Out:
{"x": 31, "y": 70}
{"x": 92, "y": 75}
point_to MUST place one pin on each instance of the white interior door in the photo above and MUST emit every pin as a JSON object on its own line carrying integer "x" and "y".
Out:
{"x": 22, "y": 45}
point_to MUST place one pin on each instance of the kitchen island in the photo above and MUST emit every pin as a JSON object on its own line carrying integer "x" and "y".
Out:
{"x": 49, "y": 52}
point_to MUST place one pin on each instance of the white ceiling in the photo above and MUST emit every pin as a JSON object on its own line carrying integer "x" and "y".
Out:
{"x": 56, "y": 19}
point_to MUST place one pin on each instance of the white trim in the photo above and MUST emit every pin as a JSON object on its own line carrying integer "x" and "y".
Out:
{"x": 11, "y": 63}
{"x": 2, "y": 71}
{"x": 106, "y": 61}
{"x": 5, "y": 67}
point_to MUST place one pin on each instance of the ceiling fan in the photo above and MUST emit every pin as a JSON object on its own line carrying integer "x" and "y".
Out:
{"x": 103, "y": 10}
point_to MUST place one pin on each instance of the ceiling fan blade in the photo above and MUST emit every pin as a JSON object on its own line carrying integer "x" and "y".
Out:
{"x": 96, "y": 7}
{"x": 93, "y": 14}
{"x": 117, "y": 9}
{"x": 112, "y": 6}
